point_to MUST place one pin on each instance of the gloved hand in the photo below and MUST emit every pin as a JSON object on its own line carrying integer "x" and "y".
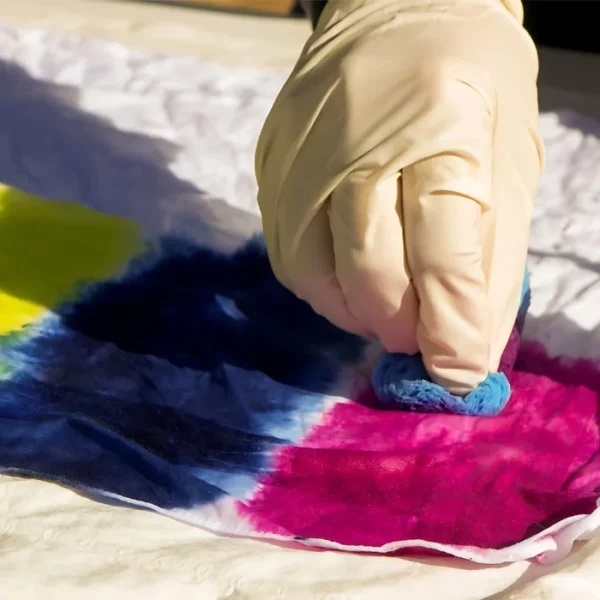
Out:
{"x": 397, "y": 172}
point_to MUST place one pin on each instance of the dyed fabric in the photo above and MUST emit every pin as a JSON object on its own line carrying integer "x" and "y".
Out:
{"x": 401, "y": 381}
{"x": 161, "y": 373}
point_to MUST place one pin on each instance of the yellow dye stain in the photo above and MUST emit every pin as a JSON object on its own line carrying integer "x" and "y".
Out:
{"x": 47, "y": 248}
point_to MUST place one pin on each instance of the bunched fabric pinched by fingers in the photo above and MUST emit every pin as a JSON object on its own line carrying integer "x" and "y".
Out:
{"x": 401, "y": 381}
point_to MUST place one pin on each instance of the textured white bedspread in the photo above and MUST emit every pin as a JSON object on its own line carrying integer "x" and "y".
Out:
{"x": 163, "y": 123}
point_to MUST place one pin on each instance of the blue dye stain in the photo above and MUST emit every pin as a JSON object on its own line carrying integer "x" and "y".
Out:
{"x": 174, "y": 310}
{"x": 173, "y": 385}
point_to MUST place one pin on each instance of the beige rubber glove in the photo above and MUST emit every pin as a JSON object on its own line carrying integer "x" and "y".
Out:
{"x": 397, "y": 172}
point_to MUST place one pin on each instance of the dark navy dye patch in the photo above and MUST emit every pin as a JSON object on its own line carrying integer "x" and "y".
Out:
{"x": 172, "y": 386}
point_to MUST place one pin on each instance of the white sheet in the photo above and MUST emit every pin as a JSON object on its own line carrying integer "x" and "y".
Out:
{"x": 55, "y": 544}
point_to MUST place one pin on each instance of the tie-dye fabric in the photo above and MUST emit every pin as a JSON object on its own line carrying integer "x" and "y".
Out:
{"x": 161, "y": 373}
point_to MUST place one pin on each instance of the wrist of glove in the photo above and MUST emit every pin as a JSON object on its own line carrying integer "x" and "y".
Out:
{"x": 397, "y": 171}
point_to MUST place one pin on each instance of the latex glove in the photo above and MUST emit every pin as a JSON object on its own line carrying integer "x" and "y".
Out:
{"x": 397, "y": 172}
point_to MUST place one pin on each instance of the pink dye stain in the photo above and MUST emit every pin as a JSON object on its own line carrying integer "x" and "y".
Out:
{"x": 368, "y": 477}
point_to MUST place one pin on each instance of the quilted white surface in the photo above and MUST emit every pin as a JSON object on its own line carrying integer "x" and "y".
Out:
{"x": 169, "y": 128}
